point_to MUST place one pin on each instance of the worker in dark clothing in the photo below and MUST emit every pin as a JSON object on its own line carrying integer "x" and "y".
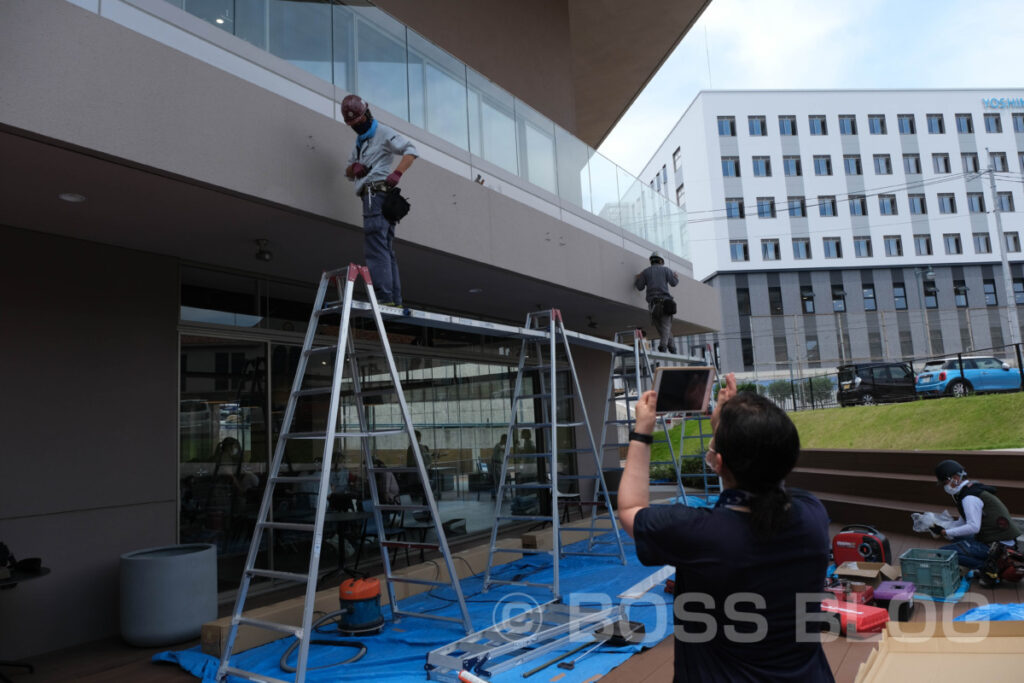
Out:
{"x": 656, "y": 279}
{"x": 984, "y": 520}
{"x": 370, "y": 169}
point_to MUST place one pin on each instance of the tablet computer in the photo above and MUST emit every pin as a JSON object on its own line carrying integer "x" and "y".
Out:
{"x": 683, "y": 389}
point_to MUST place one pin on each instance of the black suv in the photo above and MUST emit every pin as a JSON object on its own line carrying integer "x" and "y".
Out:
{"x": 870, "y": 383}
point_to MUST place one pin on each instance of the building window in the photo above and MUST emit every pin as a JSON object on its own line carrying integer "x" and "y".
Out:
{"x": 858, "y": 205}
{"x": 801, "y": 248}
{"x": 813, "y": 352}
{"x": 787, "y": 125}
{"x": 738, "y": 250}
{"x": 989, "y": 287}
{"x": 931, "y": 294}
{"x": 960, "y": 293}
{"x": 869, "y": 298}
{"x": 887, "y": 204}
{"x": 947, "y": 203}
{"x": 851, "y": 163}
{"x": 727, "y": 126}
{"x": 999, "y": 161}
{"x": 1020, "y": 159}
{"x": 838, "y": 299}
{"x": 677, "y": 159}
{"x": 807, "y": 298}
{"x": 832, "y": 247}
{"x": 964, "y": 123}
{"x": 766, "y": 207}
{"x": 923, "y": 245}
{"x": 1018, "y": 123}
{"x": 762, "y": 167}
{"x": 975, "y": 202}
{"x": 936, "y": 125}
{"x": 680, "y": 195}
{"x": 757, "y": 126}
{"x": 883, "y": 164}
{"x": 862, "y": 247}
{"x": 912, "y": 164}
{"x": 656, "y": 183}
{"x": 747, "y": 350}
{"x": 1012, "y": 241}
{"x": 1018, "y": 291}
{"x": 743, "y": 301}
{"x": 791, "y": 166}
{"x": 823, "y": 164}
{"x": 899, "y": 296}
{"x": 893, "y": 245}
{"x": 826, "y": 205}
{"x": 734, "y": 207}
{"x": 876, "y": 124}
{"x": 918, "y": 207}
{"x": 775, "y": 300}
{"x": 982, "y": 244}
{"x": 970, "y": 162}
{"x": 952, "y": 242}
{"x": 664, "y": 175}
{"x": 847, "y": 124}
{"x": 731, "y": 167}
{"x": 816, "y": 124}
{"x": 993, "y": 123}
{"x": 906, "y": 124}
{"x": 797, "y": 207}
{"x": 770, "y": 250}
{"x": 940, "y": 163}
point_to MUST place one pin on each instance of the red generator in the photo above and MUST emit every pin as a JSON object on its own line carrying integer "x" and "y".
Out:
{"x": 860, "y": 543}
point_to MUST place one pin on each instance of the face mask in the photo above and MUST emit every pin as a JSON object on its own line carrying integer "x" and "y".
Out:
{"x": 953, "y": 490}
{"x": 361, "y": 128}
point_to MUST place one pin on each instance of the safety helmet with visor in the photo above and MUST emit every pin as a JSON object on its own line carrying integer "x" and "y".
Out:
{"x": 947, "y": 469}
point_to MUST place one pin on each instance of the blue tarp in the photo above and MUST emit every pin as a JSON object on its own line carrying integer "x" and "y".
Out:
{"x": 398, "y": 653}
{"x": 1013, "y": 611}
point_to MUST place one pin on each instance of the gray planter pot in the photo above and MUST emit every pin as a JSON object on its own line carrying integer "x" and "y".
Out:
{"x": 167, "y": 593}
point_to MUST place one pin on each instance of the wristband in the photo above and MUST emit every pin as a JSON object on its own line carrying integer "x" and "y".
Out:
{"x": 642, "y": 438}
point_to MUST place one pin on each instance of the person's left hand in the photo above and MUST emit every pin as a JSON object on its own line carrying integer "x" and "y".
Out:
{"x": 645, "y": 412}
{"x": 393, "y": 179}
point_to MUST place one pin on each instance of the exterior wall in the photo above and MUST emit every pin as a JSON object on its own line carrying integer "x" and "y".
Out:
{"x": 952, "y": 329}
{"x": 90, "y": 427}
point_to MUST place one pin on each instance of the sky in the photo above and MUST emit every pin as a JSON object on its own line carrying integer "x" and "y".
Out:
{"x": 824, "y": 44}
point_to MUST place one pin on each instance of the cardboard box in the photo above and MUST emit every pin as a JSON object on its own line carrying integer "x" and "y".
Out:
{"x": 947, "y": 652}
{"x": 871, "y": 573}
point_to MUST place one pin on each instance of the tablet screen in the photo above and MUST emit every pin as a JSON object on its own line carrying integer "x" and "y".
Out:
{"x": 683, "y": 389}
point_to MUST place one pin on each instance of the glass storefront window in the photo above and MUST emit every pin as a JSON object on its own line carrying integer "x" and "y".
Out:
{"x": 437, "y": 92}
{"x": 211, "y": 297}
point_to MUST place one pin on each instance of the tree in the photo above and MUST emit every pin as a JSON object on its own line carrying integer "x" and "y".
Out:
{"x": 780, "y": 390}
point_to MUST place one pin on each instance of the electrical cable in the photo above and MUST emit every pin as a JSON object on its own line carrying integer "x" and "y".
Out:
{"x": 288, "y": 668}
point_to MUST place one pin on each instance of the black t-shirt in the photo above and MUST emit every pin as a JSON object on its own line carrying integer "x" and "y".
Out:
{"x": 732, "y": 586}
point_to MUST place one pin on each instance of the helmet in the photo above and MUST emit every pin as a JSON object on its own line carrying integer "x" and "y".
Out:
{"x": 946, "y": 469}
{"x": 656, "y": 257}
{"x": 352, "y": 107}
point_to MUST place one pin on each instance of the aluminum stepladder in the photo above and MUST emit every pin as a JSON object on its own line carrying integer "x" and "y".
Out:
{"x": 345, "y": 280}
{"x": 550, "y": 323}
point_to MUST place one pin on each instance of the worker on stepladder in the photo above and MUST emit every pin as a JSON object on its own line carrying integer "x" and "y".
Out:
{"x": 370, "y": 169}
{"x": 656, "y": 279}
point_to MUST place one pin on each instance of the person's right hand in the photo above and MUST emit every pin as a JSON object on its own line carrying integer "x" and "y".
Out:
{"x": 355, "y": 170}
{"x": 645, "y": 412}
{"x": 725, "y": 392}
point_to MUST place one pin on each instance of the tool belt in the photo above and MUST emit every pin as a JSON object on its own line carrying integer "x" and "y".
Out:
{"x": 376, "y": 186}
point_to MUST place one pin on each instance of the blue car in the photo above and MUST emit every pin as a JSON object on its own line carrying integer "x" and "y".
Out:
{"x": 981, "y": 374}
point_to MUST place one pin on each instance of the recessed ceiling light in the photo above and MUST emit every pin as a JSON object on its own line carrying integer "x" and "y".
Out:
{"x": 219, "y": 20}
{"x": 476, "y": 290}
{"x": 71, "y": 197}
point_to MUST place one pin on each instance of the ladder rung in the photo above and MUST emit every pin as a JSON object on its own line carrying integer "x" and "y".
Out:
{"x": 501, "y": 582}
{"x": 544, "y": 396}
{"x": 252, "y": 675}
{"x": 400, "y": 508}
{"x": 271, "y": 626}
{"x": 419, "y": 582}
{"x": 313, "y": 391}
{"x": 524, "y": 551}
{"x": 341, "y": 435}
{"x": 322, "y": 349}
{"x": 426, "y": 615}
{"x": 285, "y": 576}
{"x": 286, "y": 526}
{"x": 295, "y": 479}
{"x": 531, "y": 486}
{"x": 526, "y": 518}
{"x": 410, "y": 544}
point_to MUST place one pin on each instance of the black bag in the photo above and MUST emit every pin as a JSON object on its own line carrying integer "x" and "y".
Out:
{"x": 668, "y": 307}
{"x": 395, "y": 207}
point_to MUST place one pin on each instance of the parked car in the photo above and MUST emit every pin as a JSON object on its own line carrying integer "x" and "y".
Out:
{"x": 981, "y": 374}
{"x": 870, "y": 383}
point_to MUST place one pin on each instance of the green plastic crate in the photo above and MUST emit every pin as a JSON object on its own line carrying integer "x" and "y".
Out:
{"x": 933, "y": 572}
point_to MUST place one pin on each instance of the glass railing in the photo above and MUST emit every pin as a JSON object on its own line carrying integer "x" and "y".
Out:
{"x": 364, "y": 50}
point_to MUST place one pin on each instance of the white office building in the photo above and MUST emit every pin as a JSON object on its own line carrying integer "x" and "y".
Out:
{"x": 852, "y": 224}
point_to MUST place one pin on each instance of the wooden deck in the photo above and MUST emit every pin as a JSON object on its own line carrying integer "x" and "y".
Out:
{"x": 112, "y": 660}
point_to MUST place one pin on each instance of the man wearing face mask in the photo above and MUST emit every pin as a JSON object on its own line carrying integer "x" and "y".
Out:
{"x": 984, "y": 519}
{"x": 369, "y": 167}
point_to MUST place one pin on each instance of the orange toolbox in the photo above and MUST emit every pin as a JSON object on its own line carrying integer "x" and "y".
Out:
{"x": 855, "y": 618}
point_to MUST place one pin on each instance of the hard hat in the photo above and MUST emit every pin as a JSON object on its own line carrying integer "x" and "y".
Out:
{"x": 946, "y": 469}
{"x": 656, "y": 257}
{"x": 352, "y": 107}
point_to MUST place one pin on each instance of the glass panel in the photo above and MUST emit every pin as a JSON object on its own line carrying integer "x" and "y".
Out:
{"x": 289, "y": 306}
{"x": 220, "y": 13}
{"x": 300, "y": 32}
{"x": 573, "y": 173}
{"x": 220, "y": 298}
{"x": 636, "y": 205}
{"x": 437, "y": 92}
{"x": 492, "y": 127}
{"x": 604, "y": 188}
{"x": 536, "y": 148}
{"x": 344, "y": 47}
{"x": 381, "y": 71}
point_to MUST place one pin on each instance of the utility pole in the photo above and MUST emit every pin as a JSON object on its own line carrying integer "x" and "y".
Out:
{"x": 1011, "y": 303}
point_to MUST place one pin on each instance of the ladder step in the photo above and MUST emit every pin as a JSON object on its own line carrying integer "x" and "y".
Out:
{"x": 341, "y": 435}
{"x": 295, "y": 479}
{"x": 314, "y": 391}
{"x": 272, "y": 574}
{"x": 410, "y": 544}
{"x": 402, "y": 508}
{"x": 418, "y": 582}
{"x": 252, "y": 675}
{"x": 526, "y": 518}
{"x": 531, "y": 486}
{"x": 322, "y": 349}
{"x": 271, "y": 626}
{"x": 522, "y": 397}
{"x": 286, "y": 526}
{"x": 532, "y": 425}
{"x": 524, "y": 551}
{"x": 502, "y": 582}
{"x": 426, "y": 615}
